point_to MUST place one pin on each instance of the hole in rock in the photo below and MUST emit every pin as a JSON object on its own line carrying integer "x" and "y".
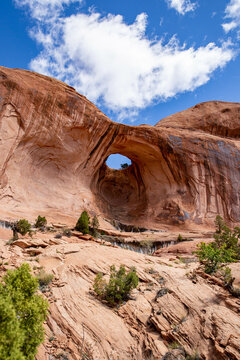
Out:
{"x": 120, "y": 189}
{"x": 118, "y": 162}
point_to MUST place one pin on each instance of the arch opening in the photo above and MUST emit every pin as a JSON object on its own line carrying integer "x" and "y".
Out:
{"x": 120, "y": 188}
{"x": 118, "y": 162}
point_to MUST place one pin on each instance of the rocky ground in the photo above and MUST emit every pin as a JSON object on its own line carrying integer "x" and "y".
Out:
{"x": 176, "y": 309}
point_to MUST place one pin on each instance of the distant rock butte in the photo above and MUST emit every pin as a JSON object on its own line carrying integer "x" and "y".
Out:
{"x": 54, "y": 144}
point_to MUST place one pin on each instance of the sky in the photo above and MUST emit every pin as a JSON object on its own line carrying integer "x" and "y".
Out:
{"x": 138, "y": 61}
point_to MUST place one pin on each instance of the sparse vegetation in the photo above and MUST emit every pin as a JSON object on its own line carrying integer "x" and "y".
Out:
{"x": 67, "y": 232}
{"x": 22, "y": 313}
{"x": 174, "y": 345}
{"x": 228, "y": 282}
{"x": 180, "y": 238}
{"x": 95, "y": 226}
{"x": 41, "y": 221}
{"x": 44, "y": 278}
{"x": 119, "y": 286}
{"x": 124, "y": 166}
{"x": 22, "y": 227}
{"x": 224, "y": 249}
{"x": 83, "y": 223}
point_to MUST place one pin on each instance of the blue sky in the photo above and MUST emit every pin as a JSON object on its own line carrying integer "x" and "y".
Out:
{"x": 138, "y": 61}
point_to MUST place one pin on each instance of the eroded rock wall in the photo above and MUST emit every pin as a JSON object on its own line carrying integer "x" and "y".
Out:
{"x": 54, "y": 144}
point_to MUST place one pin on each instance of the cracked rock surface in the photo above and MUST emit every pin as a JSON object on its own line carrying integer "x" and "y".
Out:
{"x": 172, "y": 304}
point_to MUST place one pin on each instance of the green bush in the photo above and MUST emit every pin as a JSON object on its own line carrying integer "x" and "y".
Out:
{"x": 180, "y": 238}
{"x": 11, "y": 336}
{"x": 22, "y": 313}
{"x": 223, "y": 249}
{"x": 118, "y": 287}
{"x": 83, "y": 223}
{"x": 41, "y": 221}
{"x": 23, "y": 227}
{"x": 211, "y": 256}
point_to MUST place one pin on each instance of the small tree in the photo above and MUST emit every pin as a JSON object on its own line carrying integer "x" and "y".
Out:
{"x": 124, "y": 166}
{"x": 224, "y": 249}
{"x": 26, "y": 312}
{"x": 119, "y": 286}
{"x": 22, "y": 227}
{"x": 41, "y": 221}
{"x": 211, "y": 256}
{"x": 219, "y": 223}
{"x": 83, "y": 223}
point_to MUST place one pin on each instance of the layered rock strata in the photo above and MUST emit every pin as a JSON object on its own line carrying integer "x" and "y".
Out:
{"x": 54, "y": 144}
{"x": 175, "y": 303}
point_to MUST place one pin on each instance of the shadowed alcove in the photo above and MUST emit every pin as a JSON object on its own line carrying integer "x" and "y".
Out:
{"x": 151, "y": 190}
{"x": 121, "y": 190}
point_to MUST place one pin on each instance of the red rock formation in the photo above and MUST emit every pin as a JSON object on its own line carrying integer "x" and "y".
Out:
{"x": 174, "y": 302}
{"x": 54, "y": 144}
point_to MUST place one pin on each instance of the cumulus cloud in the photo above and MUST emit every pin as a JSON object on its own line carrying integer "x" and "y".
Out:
{"x": 42, "y": 9}
{"x": 115, "y": 63}
{"x": 182, "y": 6}
{"x": 232, "y": 12}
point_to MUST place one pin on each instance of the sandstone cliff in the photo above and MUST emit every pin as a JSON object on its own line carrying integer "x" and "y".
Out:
{"x": 54, "y": 144}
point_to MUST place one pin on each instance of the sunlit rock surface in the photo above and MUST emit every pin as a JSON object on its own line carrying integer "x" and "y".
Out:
{"x": 54, "y": 144}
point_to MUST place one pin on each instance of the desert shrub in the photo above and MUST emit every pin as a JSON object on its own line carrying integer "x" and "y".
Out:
{"x": 228, "y": 238}
{"x": 219, "y": 223}
{"x": 119, "y": 286}
{"x": 228, "y": 280}
{"x": 11, "y": 336}
{"x": 83, "y": 223}
{"x": 227, "y": 276}
{"x": 22, "y": 313}
{"x": 223, "y": 249}
{"x": 44, "y": 278}
{"x": 124, "y": 166}
{"x": 180, "y": 238}
{"x": 40, "y": 221}
{"x": 23, "y": 227}
{"x": 94, "y": 226}
{"x": 211, "y": 256}
{"x": 67, "y": 232}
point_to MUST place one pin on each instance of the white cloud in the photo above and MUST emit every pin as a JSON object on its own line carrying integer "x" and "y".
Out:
{"x": 182, "y": 6}
{"x": 232, "y": 12}
{"x": 41, "y": 9}
{"x": 115, "y": 63}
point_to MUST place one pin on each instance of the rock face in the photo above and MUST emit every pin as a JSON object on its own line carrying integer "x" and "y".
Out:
{"x": 174, "y": 303}
{"x": 54, "y": 144}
